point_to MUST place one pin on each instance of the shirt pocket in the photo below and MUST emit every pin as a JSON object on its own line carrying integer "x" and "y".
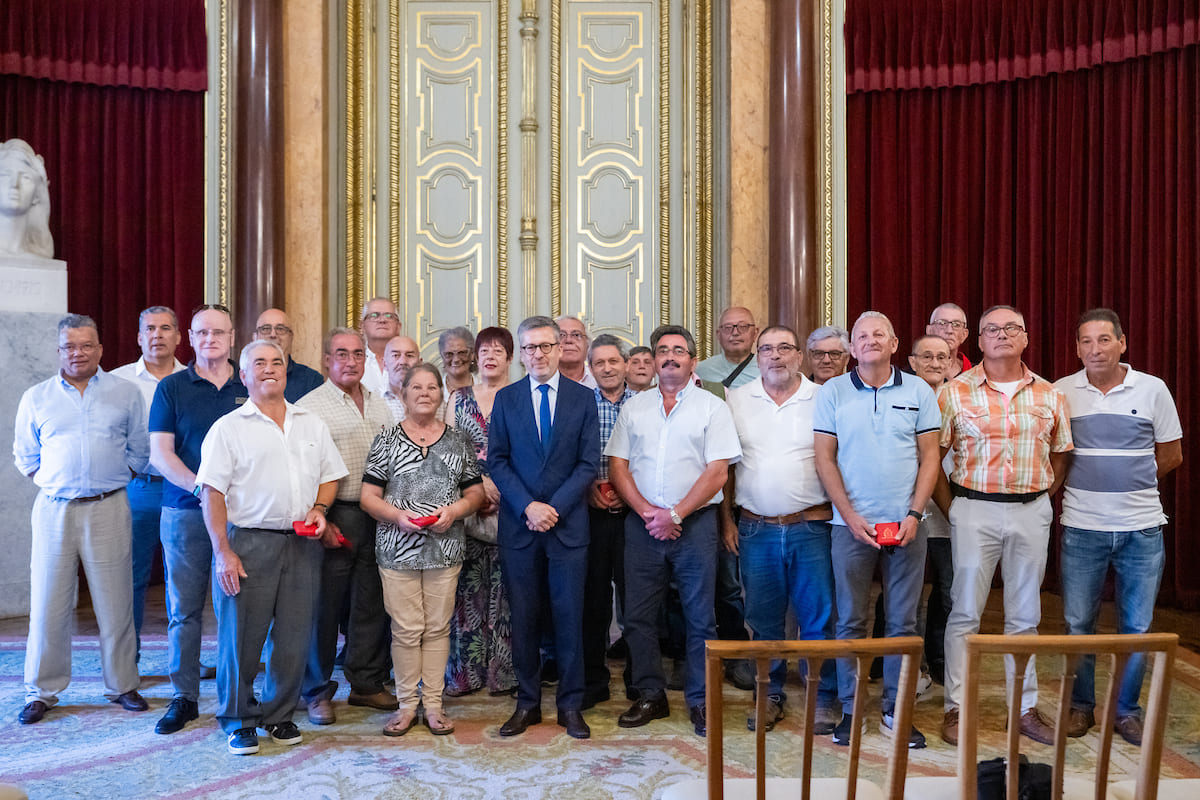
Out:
{"x": 1039, "y": 421}
{"x": 971, "y": 423}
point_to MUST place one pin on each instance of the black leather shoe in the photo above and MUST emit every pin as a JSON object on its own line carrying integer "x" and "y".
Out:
{"x": 572, "y": 720}
{"x": 179, "y": 713}
{"x": 32, "y": 712}
{"x": 131, "y": 701}
{"x": 699, "y": 719}
{"x": 521, "y": 719}
{"x": 643, "y": 711}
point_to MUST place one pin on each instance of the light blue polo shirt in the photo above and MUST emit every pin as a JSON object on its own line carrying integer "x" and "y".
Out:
{"x": 876, "y": 432}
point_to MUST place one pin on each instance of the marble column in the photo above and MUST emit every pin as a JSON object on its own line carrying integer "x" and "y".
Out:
{"x": 258, "y": 224}
{"x": 792, "y": 190}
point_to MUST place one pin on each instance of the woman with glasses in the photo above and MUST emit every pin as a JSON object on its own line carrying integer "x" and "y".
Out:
{"x": 420, "y": 481}
{"x": 456, "y": 347}
{"x": 481, "y": 628}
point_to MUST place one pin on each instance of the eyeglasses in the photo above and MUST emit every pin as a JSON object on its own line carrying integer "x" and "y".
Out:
{"x": 927, "y": 357}
{"x": 206, "y": 332}
{"x": 266, "y": 330}
{"x": 87, "y": 348}
{"x": 578, "y": 336}
{"x": 373, "y": 315}
{"x": 784, "y": 349}
{"x": 952, "y": 324}
{"x": 740, "y": 327}
{"x": 1011, "y": 329}
{"x": 343, "y": 356}
{"x": 678, "y": 351}
{"x": 456, "y": 355}
{"x": 821, "y": 355}
{"x": 545, "y": 347}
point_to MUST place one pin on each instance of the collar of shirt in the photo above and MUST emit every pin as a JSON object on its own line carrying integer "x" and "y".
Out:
{"x": 626, "y": 393}
{"x": 804, "y": 391}
{"x": 692, "y": 384}
{"x": 139, "y": 368}
{"x": 92, "y": 381}
{"x": 553, "y": 381}
{"x": 1128, "y": 382}
{"x": 897, "y": 380}
{"x": 977, "y": 376}
{"x": 248, "y": 409}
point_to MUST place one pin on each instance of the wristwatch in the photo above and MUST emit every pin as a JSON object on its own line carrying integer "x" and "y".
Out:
{"x": 917, "y": 515}
{"x": 678, "y": 520}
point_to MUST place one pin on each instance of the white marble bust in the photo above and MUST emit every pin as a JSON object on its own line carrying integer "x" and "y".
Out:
{"x": 24, "y": 202}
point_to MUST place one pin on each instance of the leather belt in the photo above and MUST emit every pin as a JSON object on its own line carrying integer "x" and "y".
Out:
{"x": 994, "y": 497}
{"x": 92, "y": 498}
{"x": 148, "y": 478}
{"x": 818, "y": 513}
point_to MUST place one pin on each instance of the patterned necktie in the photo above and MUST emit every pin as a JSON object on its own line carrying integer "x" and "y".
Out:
{"x": 544, "y": 416}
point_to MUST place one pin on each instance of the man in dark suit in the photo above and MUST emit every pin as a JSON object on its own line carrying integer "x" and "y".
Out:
{"x": 543, "y": 453}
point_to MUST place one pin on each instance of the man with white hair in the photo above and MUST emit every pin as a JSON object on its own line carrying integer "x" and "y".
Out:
{"x": 380, "y": 324}
{"x": 949, "y": 322}
{"x": 827, "y": 352}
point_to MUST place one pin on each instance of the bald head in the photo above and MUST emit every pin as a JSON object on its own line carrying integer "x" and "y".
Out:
{"x": 273, "y": 325}
{"x": 400, "y": 354}
{"x": 736, "y": 332}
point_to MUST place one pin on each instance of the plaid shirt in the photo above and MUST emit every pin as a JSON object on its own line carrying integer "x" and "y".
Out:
{"x": 608, "y": 413}
{"x": 1003, "y": 445}
{"x": 352, "y": 431}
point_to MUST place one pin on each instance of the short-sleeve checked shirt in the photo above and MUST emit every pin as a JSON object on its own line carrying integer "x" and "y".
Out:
{"x": 608, "y": 412}
{"x": 1002, "y": 445}
{"x": 352, "y": 431}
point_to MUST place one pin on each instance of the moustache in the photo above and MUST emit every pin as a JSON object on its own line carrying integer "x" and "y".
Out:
{"x": 670, "y": 364}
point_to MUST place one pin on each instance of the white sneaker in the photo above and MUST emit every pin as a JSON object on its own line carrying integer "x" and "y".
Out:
{"x": 924, "y": 684}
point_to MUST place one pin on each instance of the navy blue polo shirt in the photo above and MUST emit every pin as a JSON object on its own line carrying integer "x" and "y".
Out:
{"x": 877, "y": 432}
{"x": 300, "y": 380}
{"x": 187, "y": 405}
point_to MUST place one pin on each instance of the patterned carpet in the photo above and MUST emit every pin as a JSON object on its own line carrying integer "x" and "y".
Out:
{"x": 89, "y": 748}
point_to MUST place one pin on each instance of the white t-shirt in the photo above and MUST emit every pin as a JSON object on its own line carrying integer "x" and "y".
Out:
{"x": 1112, "y": 484}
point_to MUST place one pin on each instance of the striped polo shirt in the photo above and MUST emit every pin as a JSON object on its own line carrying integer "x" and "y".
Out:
{"x": 1113, "y": 483}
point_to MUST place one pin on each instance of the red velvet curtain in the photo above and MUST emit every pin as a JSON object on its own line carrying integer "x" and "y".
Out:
{"x": 1042, "y": 154}
{"x": 112, "y": 96}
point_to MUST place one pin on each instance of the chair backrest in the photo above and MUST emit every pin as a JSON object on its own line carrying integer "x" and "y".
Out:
{"x": 864, "y": 651}
{"x": 1022, "y": 648}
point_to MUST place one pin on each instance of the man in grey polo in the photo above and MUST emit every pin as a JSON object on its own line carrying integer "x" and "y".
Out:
{"x": 876, "y": 440}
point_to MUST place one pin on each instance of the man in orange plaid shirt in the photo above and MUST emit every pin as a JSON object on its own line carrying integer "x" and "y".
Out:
{"x": 1010, "y": 432}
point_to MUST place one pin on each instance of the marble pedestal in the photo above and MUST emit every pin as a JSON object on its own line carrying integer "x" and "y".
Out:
{"x": 33, "y": 298}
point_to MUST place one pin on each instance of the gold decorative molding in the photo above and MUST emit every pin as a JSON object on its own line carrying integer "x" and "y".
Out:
{"x": 502, "y": 166}
{"x": 704, "y": 312}
{"x": 394, "y": 115}
{"x": 223, "y": 193}
{"x": 664, "y": 162}
{"x": 356, "y": 88}
{"x": 556, "y": 124}
{"x": 826, "y": 162}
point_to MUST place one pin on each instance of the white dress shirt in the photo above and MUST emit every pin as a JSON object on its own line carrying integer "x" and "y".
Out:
{"x": 778, "y": 471}
{"x": 667, "y": 453}
{"x": 137, "y": 374}
{"x": 269, "y": 476}
{"x": 374, "y": 376}
{"x": 537, "y": 399}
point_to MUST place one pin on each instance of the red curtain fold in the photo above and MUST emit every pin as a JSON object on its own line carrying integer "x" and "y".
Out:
{"x": 147, "y": 44}
{"x": 1054, "y": 194}
{"x": 912, "y": 44}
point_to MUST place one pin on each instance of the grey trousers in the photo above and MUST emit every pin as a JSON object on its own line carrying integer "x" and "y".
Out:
{"x": 274, "y": 606}
{"x": 65, "y": 534}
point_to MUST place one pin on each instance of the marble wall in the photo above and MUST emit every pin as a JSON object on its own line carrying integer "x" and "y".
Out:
{"x": 27, "y": 356}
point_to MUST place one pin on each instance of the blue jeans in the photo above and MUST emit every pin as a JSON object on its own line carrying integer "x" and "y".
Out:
{"x": 187, "y": 554}
{"x": 649, "y": 566}
{"x": 1137, "y": 558}
{"x": 782, "y": 563}
{"x": 145, "y": 505}
{"x": 903, "y": 573}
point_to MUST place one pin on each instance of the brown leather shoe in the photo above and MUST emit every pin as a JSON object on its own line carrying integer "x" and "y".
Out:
{"x": 1130, "y": 729}
{"x": 1035, "y": 726}
{"x": 320, "y": 711}
{"x": 950, "y": 727}
{"x": 131, "y": 701}
{"x": 32, "y": 712}
{"x": 1080, "y": 722}
{"x": 380, "y": 700}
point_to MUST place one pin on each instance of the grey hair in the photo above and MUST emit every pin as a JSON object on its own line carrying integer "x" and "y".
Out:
{"x": 258, "y": 344}
{"x": 77, "y": 321}
{"x": 422, "y": 367}
{"x": 577, "y": 319}
{"x": 533, "y": 323}
{"x": 829, "y": 332}
{"x": 456, "y": 333}
{"x": 1000, "y": 307}
{"x": 158, "y": 310}
{"x": 607, "y": 340}
{"x": 387, "y": 300}
{"x": 674, "y": 330}
{"x": 876, "y": 315}
{"x": 954, "y": 306}
{"x": 340, "y": 331}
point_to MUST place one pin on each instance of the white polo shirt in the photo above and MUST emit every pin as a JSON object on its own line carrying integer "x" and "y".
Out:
{"x": 1112, "y": 484}
{"x": 269, "y": 476}
{"x": 668, "y": 453}
{"x": 137, "y": 374}
{"x": 778, "y": 471}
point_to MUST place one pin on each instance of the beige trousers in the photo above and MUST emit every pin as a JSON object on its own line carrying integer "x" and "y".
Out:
{"x": 420, "y": 603}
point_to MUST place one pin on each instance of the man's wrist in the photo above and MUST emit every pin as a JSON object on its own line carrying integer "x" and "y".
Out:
{"x": 917, "y": 515}
{"x": 324, "y": 508}
{"x": 678, "y": 520}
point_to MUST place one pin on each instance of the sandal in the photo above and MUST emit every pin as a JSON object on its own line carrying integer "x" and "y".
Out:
{"x": 401, "y": 723}
{"x": 438, "y": 723}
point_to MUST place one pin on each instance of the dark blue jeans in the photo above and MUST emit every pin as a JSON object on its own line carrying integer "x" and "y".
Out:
{"x": 649, "y": 566}
{"x": 782, "y": 563}
{"x": 145, "y": 506}
{"x": 1137, "y": 558}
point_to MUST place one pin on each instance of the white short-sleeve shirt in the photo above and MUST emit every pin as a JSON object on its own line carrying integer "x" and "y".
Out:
{"x": 269, "y": 476}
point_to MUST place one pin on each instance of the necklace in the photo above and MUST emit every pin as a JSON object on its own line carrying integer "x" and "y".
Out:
{"x": 415, "y": 433}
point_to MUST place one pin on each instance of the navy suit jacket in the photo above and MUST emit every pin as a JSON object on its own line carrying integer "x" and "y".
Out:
{"x": 559, "y": 478}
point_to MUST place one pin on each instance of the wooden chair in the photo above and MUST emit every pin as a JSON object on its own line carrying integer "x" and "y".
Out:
{"x": 864, "y": 651}
{"x": 1021, "y": 648}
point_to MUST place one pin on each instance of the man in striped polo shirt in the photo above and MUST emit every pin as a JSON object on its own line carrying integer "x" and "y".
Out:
{"x": 1127, "y": 437}
{"x": 1010, "y": 435}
